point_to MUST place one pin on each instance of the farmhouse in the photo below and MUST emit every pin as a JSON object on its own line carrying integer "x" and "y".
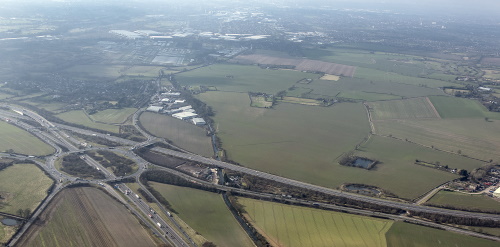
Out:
{"x": 198, "y": 121}
{"x": 154, "y": 108}
{"x": 184, "y": 115}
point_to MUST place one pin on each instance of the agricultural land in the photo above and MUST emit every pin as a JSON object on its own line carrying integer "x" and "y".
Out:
{"x": 464, "y": 201}
{"x": 19, "y": 141}
{"x": 285, "y": 225}
{"x": 404, "y": 234}
{"x": 86, "y": 217}
{"x": 206, "y": 213}
{"x": 79, "y": 117}
{"x": 243, "y": 78}
{"x": 23, "y": 186}
{"x": 181, "y": 133}
{"x": 113, "y": 116}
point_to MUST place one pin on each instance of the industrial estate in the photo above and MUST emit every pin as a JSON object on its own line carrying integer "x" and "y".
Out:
{"x": 259, "y": 123}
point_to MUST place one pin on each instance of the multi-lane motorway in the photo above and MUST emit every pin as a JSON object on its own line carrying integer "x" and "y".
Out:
{"x": 55, "y": 136}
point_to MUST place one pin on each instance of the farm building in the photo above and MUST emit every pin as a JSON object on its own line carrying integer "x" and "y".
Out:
{"x": 185, "y": 108}
{"x": 198, "y": 121}
{"x": 154, "y": 108}
{"x": 166, "y": 100}
{"x": 173, "y": 111}
{"x": 179, "y": 101}
{"x": 184, "y": 115}
{"x": 497, "y": 193}
{"x": 171, "y": 94}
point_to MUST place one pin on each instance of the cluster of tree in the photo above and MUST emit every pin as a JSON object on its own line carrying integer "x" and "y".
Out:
{"x": 450, "y": 219}
{"x": 258, "y": 184}
{"x": 158, "y": 158}
{"x": 145, "y": 195}
{"x": 4, "y": 164}
{"x": 121, "y": 166}
{"x": 74, "y": 165}
{"x": 25, "y": 213}
{"x": 202, "y": 109}
{"x": 144, "y": 180}
{"x": 239, "y": 210}
{"x": 347, "y": 158}
{"x": 168, "y": 178}
{"x": 453, "y": 207}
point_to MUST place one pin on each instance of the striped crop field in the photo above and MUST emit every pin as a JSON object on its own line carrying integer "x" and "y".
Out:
{"x": 285, "y": 225}
{"x": 414, "y": 108}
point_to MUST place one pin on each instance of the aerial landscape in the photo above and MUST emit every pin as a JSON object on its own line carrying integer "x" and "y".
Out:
{"x": 276, "y": 123}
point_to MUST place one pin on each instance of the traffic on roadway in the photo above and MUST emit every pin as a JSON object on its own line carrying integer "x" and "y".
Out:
{"x": 167, "y": 229}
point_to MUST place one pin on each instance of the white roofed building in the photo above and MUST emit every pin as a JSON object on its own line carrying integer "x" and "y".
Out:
{"x": 184, "y": 115}
{"x": 198, "y": 121}
{"x": 154, "y": 108}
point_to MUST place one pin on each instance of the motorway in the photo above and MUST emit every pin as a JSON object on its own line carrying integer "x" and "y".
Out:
{"x": 55, "y": 136}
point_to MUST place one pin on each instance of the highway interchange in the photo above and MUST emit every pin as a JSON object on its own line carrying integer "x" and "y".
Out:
{"x": 167, "y": 229}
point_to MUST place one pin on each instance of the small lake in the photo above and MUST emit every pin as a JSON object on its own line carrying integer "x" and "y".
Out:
{"x": 363, "y": 163}
{"x": 10, "y": 222}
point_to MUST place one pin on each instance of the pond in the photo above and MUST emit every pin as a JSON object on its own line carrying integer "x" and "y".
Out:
{"x": 363, "y": 163}
{"x": 10, "y": 222}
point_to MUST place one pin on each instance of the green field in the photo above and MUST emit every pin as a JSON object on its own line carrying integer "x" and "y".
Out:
{"x": 397, "y": 160}
{"x": 453, "y": 107}
{"x": 413, "y": 108}
{"x": 289, "y": 226}
{"x": 113, "y": 116}
{"x": 183, "y": 134}
{"x": 466, "y": 201}
{"x": 113, "y": 71}
{"x": 366, "y": 96}
{"x": 21, "y": 141}
{"x": 207, "y": 213}
{"x": 79, "y": 117}
{"x": 472, "y": 137}
{"x": 295, "y": 142}
{"x": 408, "y": 235}
{"x": 23, "y": 186}
{"x": 243, "y": 78}
{"x": 365, "y": 89}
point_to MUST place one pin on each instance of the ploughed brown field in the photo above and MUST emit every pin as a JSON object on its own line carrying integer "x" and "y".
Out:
{"x": 299, "y": 63}
{"x": 86, "y": 217}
